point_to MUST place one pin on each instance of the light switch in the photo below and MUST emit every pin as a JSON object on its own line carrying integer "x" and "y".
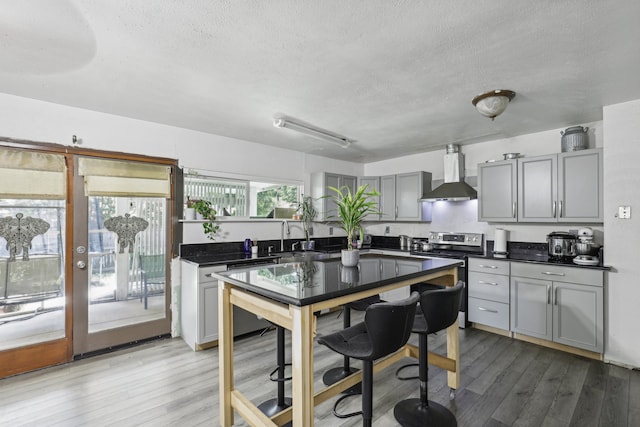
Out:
{"x": 624, "y": 212}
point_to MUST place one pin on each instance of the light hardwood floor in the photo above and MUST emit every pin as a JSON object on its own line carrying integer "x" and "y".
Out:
{"x": 505, "y": 382}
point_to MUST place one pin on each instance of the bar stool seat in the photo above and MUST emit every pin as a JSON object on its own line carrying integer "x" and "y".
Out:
{"x": 334, "y": 375}
{"x": 386, "y": 328}
{"x": 438, "y": 310}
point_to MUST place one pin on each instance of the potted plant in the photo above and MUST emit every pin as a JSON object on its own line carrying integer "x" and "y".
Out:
{"x": 204, "y": 208}
{"x": 190, "y": 211}
{"x": 307, "y": 215}
{"x": 352, "y": 208}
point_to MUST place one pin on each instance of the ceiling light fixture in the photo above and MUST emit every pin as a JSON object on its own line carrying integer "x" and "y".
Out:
{"x": 492, "y": 104}
{"x": 289, "y": 123}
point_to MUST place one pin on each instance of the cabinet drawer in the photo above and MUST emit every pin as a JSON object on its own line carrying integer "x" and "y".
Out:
{"x": 204, "y": 272}
{"x": 492, "y": 287}
{"x": 558, "y": 273}
{"x": 492, "y": 266}
{"x": 489, "y": 313}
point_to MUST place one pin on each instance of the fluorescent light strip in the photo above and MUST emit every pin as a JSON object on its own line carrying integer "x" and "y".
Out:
{"x": 285, "y": 122}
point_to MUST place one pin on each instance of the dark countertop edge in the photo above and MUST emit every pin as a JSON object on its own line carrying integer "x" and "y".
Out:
{"x": 544, "y": 262}
{"x": 284, "y": 299}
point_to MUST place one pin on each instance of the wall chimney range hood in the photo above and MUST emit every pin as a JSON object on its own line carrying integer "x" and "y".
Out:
{"x": 454, "y": 188}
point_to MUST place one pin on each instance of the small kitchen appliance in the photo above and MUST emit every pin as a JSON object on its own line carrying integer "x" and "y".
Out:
{"x": 561, "y": 244}
{"x": 455, "y": 246}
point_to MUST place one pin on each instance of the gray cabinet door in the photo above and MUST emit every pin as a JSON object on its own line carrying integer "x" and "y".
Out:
{"x": 580, "y": 191}
{"x": 531, "y": 312}
{"x": 409, "y": 188}
{"x": 372, "y": 183}
{"x": 497, "y": 191}
{"x": 537, "y": 188}
{"x": 388, "y": 198}
{"x": 578, "y": 316}
{"x": 323, "y": 197}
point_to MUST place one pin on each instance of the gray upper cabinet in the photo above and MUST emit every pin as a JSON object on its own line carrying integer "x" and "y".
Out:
{"x": 580, "y": 185}
{"x": 565, "y": 187}
{"x": 320, "y": 183}
{"x": 372, "y": 183}
{"x": 537, "y": 189}
{"x": 497, "y": 191}
{"x": 388, "y": 198}
{"x": 409, "y": 188}
{"x": 399, "y": 196}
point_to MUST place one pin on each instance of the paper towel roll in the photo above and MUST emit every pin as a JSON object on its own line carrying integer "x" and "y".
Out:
{"x": 500, "y": 240}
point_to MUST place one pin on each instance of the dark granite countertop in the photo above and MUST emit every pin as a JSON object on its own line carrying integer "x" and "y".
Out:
{"x": 538, "y": 258}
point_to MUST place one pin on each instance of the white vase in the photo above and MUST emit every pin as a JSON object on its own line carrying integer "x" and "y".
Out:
{"x": 189, "y": 213}
{"x": 350, "y": 258}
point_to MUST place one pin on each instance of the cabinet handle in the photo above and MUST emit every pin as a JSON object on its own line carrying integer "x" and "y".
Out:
{"x": 554, "y": 208}
{"x": 396, "y": 211}
{"x": 555, "y": 296}
{"x": 560, "y": 216}
{"x": 551, "y": 273}
{"x": 490, "y": 310}
{"x": 487, "y": 283}
{"x": 513, "y": 210}
{"x": 548, "y": 294}
{"x": 487, "y": 266}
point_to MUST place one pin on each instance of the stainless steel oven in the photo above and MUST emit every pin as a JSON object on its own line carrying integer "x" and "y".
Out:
{"x": 456, "y": 246}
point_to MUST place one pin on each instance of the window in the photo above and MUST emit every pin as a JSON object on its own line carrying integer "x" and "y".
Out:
{"x": 243, "y": 197}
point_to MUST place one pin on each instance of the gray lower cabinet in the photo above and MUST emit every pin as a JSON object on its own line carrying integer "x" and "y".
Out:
{"x": 559, "y": 304}
{"x": 488, "y": 290}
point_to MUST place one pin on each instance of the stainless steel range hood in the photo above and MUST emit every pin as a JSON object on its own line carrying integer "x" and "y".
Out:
{"x": 454, "y": 188}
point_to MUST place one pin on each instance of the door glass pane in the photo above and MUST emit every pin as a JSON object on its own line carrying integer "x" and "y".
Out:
{"x": 126, "y": 261}
{"x": 31, "y": 271}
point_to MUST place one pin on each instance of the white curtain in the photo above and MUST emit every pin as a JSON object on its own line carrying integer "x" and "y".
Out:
{"x": 32, "y": 175}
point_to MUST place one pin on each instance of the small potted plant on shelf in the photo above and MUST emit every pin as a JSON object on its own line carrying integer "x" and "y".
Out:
{"x": 190, "y": 211}
{"x": 307, "y": 215}
{"x": 352, "y": 208}
{"x": 208, "y": 213}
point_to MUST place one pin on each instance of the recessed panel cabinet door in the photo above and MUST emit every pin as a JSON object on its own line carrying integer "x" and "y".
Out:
{"x": 578, "y": 316}
{"x": 531, "y": 312}
{"x": 580, "y": 190}
{"x": 497, "y": 191}
{"x": 537, "y": 189}
{"x": 388, "y": 198}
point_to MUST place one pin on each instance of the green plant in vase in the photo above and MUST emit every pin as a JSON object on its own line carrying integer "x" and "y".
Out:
{"x": 307, "y": 215}
{"x": 352, "y": 209}
{"x": 204, "y": 208}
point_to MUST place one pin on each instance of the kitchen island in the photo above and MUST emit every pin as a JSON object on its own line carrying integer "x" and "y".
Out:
{"x": 290, "y": 293}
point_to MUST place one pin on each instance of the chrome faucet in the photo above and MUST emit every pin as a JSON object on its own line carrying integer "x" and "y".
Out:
{"x": 282, "y": 227}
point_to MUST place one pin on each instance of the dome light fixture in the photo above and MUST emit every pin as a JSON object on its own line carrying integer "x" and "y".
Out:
{"x": 492, "y": 104}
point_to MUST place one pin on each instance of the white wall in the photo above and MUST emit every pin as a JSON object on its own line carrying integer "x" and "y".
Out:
{"x": 28, "y": 119}
{"x": 622, "y": 181}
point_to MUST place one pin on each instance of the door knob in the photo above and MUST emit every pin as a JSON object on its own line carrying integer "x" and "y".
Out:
{"x": 81, "y": 265}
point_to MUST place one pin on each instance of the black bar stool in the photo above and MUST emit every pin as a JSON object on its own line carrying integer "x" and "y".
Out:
{"x": 386, "y": 328}
{"x": 273, "y": 406}
{"x": 334, "y": 375}
{"x": 438, "y": 310}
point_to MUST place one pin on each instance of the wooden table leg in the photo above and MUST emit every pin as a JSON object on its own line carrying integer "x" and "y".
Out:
{"x": 225, "y": 353}
{"x": 453, "y": 346}
{"x": 302, "y": 366}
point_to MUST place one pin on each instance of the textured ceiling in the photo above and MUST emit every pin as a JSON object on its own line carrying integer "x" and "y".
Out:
{"x": 395, "y": 76}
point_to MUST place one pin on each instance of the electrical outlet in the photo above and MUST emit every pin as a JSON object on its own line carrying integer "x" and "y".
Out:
{"x": 310, "y": 231}
{"x": 387, "y": 229}
{"x": 330, "y": 231}
{"x": 624, "y": 212}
